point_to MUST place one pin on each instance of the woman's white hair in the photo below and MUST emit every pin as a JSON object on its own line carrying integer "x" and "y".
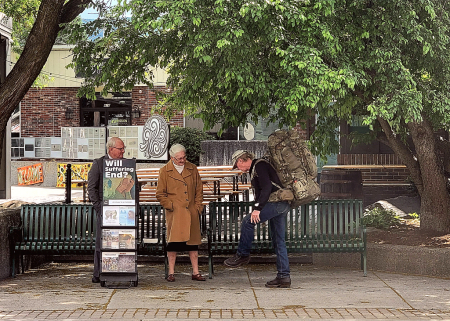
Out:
{"x": 176, "y": 149}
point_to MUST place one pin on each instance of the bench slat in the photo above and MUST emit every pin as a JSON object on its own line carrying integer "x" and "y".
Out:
{"x": 321, "y": 226}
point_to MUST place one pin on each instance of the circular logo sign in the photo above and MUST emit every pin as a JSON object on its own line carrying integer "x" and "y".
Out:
{"x": 155, "y": 137}
{"x": 249, "y": 131}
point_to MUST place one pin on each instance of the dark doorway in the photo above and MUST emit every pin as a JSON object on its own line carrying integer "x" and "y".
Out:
{"x": 111, "y": 111}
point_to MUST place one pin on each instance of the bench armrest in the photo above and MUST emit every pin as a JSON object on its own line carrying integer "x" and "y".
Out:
{"x": 15, "y": 234}
{"x": 364, "y": 234}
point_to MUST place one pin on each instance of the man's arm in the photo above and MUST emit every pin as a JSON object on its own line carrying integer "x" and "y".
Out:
{"x": 94, "y": 178}
{"x": 265, "y": 184}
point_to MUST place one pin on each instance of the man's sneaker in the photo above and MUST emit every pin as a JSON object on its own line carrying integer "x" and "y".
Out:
{"x": 237, "y": 260}
{"x": 279, "y": 283}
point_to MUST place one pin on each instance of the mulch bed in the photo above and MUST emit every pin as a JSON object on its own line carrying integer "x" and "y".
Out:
{"x": 408, "y": 233}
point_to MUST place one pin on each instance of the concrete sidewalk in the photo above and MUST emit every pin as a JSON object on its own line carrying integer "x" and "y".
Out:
{"x": 37, "y": 194}
{"x": 64, "y": 291}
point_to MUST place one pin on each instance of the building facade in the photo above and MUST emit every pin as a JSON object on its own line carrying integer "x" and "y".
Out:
{"x": 45, "y": 110}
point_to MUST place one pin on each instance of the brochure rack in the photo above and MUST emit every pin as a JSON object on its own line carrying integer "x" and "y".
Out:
{"x": 119, "y": 223}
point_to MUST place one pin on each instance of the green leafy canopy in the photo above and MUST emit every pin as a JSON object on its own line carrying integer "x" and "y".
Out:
{"x": 229, "y": 61}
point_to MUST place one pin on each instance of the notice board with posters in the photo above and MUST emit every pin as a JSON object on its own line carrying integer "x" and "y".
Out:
{"x": 119, "y": 223}
{"x": 29, "y": 175}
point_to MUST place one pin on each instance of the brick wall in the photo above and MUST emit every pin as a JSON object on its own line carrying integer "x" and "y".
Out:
{"x": 385, "y": 175}
{"x": 387, "y": 178}
{"x": 145, "y": 98}
{"x": 43, "y": 111}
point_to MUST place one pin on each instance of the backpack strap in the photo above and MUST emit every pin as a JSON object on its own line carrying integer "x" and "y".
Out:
{"x": 253, "y": 174}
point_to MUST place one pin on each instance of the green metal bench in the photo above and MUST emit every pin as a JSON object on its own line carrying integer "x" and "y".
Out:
{"x": 321, "y": 226}
{"x": 152, "y": 232}
{"x": 58, "y": 229}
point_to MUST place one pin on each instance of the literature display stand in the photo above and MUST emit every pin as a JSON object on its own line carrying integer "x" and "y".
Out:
{"x": 119, "y": 223}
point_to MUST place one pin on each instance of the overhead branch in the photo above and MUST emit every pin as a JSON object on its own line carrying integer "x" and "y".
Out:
{"x": 73, "y": 9}
{"x": 37, "y": 48}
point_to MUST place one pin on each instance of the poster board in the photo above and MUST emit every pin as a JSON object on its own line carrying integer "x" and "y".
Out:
{"x": 28, "y": 175}
{"x": 119, "y": 182}
{"x": 79, "y": 171}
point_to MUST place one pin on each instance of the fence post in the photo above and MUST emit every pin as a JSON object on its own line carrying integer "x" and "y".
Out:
{"x": 69, "y": 184}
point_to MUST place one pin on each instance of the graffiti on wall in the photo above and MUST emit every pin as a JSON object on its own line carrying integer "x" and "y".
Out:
{"x": 79, "y": 171}
{"x": 29, "y": 175}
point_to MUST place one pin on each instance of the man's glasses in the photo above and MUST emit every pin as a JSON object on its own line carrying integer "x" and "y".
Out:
{"x": 179, "y": 159}
{"x": 122, "y": 149}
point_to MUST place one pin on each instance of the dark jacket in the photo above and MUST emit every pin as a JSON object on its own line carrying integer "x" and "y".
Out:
{"x": 263, "y": 174}
{"x": 95, "y": 182}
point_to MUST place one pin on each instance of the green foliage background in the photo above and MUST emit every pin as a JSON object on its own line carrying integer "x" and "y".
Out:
{"x": 191, "y": 139}
{"x": 282, "y": 60}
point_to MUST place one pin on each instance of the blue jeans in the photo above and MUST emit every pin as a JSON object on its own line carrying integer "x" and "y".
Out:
{"x": 275, "y": 213}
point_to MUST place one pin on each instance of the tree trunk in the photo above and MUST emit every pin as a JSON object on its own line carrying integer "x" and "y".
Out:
{"x": 426, "y": 172}
{"x": 34, "y": 56}
{"x": 435, "y": 199}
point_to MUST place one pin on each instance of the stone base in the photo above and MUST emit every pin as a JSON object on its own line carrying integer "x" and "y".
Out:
{"x": 393, "y": 258}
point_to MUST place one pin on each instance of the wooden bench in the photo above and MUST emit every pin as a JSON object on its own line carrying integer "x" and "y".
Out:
{"x": 59, "y": 229}
{"x": 332, "y": 226}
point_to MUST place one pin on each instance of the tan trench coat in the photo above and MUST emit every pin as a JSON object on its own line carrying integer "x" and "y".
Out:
{"x": 182, "y": 196}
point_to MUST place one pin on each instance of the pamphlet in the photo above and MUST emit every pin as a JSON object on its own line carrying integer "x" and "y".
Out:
{"x": 119, "y": 215}
{"x": 110, "y": 239}
{"x": 118, "y": 262}
{"x": 114, "y": 239}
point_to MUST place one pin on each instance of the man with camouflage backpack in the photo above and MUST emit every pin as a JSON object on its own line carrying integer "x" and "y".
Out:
{"x": 265, "y": 181}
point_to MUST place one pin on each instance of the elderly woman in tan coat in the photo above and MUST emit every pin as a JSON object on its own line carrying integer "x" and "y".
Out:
{"x": 180, "y": 192}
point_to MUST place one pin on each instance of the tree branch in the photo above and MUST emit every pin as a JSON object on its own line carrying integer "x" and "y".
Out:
{"x": 39, "y": 44}
{"x": 72, "y": 9}
{"x": 403, "y": 152}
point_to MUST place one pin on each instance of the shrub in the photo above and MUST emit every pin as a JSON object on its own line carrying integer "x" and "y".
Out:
{"x": 414, "y": 216}
{"x": 381, "y": 218}
{"x": 190, "y": 138}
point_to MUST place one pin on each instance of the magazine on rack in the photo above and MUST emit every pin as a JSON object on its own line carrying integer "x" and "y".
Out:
{"x": 119, "y": 215}
{"x": 118, "y": 262}
{"x": 110, "y": 239}
{"x": 114, "y": 239}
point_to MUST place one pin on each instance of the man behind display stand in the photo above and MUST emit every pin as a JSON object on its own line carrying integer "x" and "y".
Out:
{"x": 116, "y": 149}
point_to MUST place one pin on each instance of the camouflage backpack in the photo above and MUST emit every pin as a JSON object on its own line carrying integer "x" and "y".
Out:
{"x": 295, "y": 165}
